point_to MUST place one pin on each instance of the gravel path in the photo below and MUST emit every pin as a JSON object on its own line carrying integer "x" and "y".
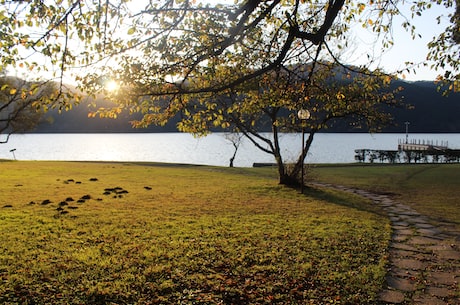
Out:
{"x": 424, "y": 256}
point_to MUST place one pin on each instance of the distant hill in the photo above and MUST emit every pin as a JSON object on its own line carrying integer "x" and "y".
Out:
{"x": 432, "y": 113}
{"x": 77, "y": 121}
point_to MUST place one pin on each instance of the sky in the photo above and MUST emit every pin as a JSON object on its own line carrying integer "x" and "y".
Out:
{"x": 405, "y": 49}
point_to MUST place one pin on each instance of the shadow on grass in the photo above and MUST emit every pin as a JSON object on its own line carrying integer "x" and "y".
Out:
{"x": 343, "y": 198}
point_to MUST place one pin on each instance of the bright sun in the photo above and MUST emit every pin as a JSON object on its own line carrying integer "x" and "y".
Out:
{"x": 111, "y": 86}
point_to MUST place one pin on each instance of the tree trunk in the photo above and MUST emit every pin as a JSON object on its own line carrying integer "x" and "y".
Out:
{"x": 288, "y": 180}
{"x": 296, "y": 171}
{"x": 284, "y": 177}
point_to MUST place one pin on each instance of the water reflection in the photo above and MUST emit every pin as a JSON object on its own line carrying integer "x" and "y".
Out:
{"x": 184, "y": 148}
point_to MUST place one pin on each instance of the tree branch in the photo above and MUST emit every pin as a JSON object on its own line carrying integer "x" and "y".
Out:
{"x": 316, "y": 38}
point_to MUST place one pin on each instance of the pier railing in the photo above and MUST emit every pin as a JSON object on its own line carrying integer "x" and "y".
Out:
{"x": 414, "y": 151}
{"x": 422, "y": 145}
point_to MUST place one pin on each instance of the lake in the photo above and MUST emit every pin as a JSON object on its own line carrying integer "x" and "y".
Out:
{"x": 213, "y": 149}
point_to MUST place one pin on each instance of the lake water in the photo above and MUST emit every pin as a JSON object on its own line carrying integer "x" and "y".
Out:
{"x": 214, "y": 149}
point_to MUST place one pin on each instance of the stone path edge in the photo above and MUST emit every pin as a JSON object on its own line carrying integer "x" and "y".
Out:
{"x": 424, "y": 255}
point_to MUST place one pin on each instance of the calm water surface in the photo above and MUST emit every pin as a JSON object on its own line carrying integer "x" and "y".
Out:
{"x": 214, "y": 149}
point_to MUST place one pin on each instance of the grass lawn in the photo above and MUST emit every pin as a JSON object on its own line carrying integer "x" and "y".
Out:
{"x": 431, "y": 189}
{"x": 155, "y": 234}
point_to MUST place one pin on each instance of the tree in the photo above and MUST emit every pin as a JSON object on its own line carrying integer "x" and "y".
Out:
{"x": 444, "y": 49}
{"x": 21, "y": 105}
{"x": 177, "y": 40}
{"x": 273, "y": 100}
{"x": 144, "y": 43}
{"x": 168, "y": 54}
{"x": 235, "y": 138}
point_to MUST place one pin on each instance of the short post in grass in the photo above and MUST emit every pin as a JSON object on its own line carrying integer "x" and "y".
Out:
{"x": 12, "y": 151}
{"x": 303, "y": 115}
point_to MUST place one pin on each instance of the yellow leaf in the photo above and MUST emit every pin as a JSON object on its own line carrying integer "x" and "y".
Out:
{"x": 131, "y": 31}
{"x": 13, "y": 91}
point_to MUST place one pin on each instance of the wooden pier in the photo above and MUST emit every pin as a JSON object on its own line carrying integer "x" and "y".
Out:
{"x": 414, "y": 151}
{"x": 422, "y": 145}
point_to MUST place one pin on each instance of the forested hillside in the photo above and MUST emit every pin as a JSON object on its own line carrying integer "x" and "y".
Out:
{"x": 431, "y": 113}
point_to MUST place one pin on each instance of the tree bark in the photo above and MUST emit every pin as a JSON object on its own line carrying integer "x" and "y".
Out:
{"x": 294, "y": 174}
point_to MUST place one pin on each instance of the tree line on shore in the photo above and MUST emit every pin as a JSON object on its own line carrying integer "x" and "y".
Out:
{"x": 431, "y": 112}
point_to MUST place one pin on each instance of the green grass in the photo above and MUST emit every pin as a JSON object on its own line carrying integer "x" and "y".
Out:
{"x": 201, "y": 235}
{"x": 431, "y": 189}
